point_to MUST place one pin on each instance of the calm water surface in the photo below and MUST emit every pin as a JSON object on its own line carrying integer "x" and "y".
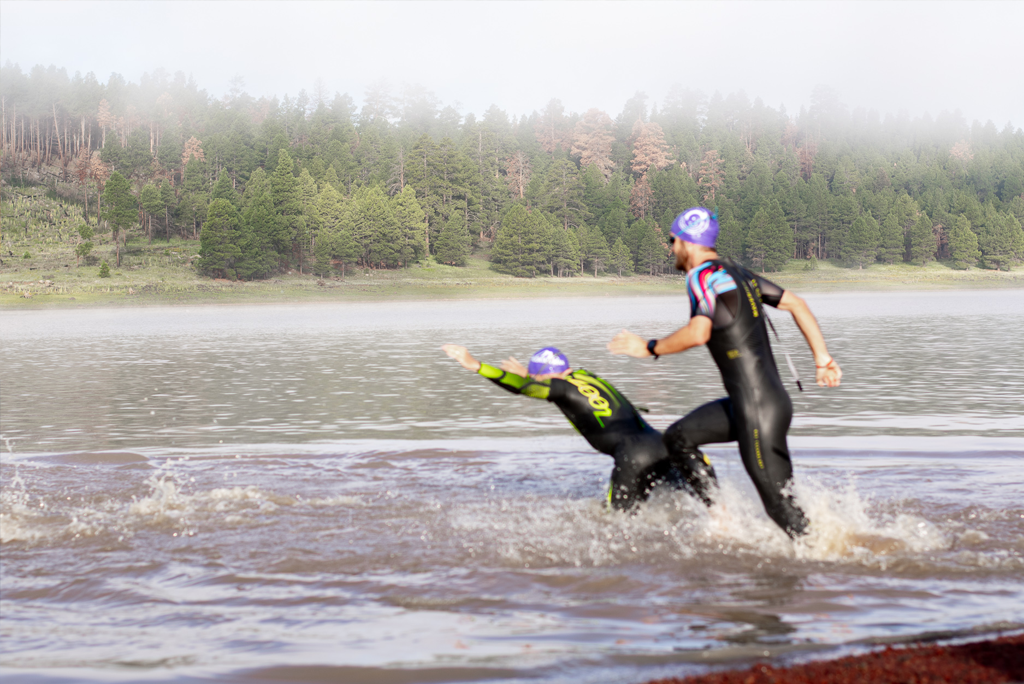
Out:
{"x": 316, "y": 493}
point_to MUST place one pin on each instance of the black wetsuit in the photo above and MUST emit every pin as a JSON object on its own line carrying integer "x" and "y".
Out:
{"x": 758, "y": 410}
{"x": 613, "y": 426}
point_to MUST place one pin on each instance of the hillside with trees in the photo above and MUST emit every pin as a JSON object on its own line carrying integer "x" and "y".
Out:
{"x": 315, "y": 184}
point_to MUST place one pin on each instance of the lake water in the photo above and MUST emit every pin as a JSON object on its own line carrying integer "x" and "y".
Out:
{"x": 316, "y": 493}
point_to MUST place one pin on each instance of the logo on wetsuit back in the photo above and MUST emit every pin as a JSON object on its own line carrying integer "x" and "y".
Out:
{"x": 594, "y": 398}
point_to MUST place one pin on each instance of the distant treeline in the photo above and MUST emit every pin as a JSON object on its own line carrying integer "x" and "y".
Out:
{"x": 313, "y": 183}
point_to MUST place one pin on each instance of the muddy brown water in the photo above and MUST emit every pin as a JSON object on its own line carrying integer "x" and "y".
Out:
{"x": 316, "y": 493}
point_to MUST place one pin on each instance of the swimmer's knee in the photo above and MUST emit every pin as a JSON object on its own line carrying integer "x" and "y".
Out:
{"x": 677, "y": 440}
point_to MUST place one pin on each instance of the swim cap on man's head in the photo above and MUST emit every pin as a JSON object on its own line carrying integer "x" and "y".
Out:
{"x": 547, "y": 360}
{"x": 696, "y": 225}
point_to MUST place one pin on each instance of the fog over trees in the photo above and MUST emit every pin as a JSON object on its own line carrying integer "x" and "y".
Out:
{"x": 315, "y": 183}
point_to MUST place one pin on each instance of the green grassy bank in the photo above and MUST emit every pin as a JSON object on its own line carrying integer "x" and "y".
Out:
{"x": 165, "y": 282}
{"x": 45, "y": 229}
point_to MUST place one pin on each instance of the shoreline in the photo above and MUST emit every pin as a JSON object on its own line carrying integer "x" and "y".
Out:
{"x": 146, "y": 287}
{"x": 988, "y": 661}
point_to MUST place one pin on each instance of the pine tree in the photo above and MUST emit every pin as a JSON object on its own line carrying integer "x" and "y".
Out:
{"x": 963, "y": 244}
{"x": 615, "y": 223}
{"x": 152, "y": 204}
{"x": 621, "y": 260}
{"x": 1000, "y": 239}
{"x": 564, "y": 251}
{"x": 170, "y": 205}
{"x": 769, "y": 240}
{"x": 906, "y": 211}
{"x": 641, "y": 199}
{"x": 711, "y": 177}
{"x": 453, "y": 244}
{"x": 922, "y": 241}
{"x": 891, "y": 249}
{"x": 782, "y": 238}
{"x": 423, "y": 173}
{"x": 1016, "y": 236}
{"x": 218, "y": 250}
{"x": 758, "y": 239}
{"x": 652, "y": 250}
{"x": 195, "y": 194}
{"x": 818, "y": 202}
{"x": 506, "y": 253}
{"x": 345, "y": 248}
{"x": 258, "y": 185}
{"x": 649, "y": 148}
{"x": 257, "y": 231}
{"x": 120, "y": 210}
{"x": 519, "y": 245}
{"x": 223, "y": 189}
{"x": 287, "y": 200}
{"x": 756, "y": 189}
{"x": 317, "y": 170}
{"x": 563, "y": 194}
{"x": 730, "y": 237}
{"x": 331, "y": 178}
{"x": 674, "y": 192}
{"x": 593, "y": 248}
{"x": 412, "y": 225}
{"x": 387, "y": 237}
{"x": 843, "y": 211}
{"x": 330, "y": 213}
{"x": 592, "y": 142}
{"x": 310, "y": 215}
{"x": 862, "y": 242}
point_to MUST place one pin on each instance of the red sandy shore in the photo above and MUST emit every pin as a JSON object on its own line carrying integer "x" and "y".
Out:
{"x": 984, "y": 662}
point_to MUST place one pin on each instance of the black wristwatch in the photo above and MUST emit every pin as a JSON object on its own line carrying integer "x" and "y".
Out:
{"x": 651, "y": 344}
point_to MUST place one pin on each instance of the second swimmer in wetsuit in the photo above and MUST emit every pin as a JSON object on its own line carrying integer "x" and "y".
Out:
{"x": 727, "y": 314}
{"x": 606, "y": 420}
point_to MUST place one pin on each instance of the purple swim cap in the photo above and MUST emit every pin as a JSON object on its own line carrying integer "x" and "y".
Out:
{"x": 697, "y": 225}
{"x": 547, "y": 360}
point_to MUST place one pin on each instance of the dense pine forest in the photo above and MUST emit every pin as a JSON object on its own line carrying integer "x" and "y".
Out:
{"x": 316, "y": 184}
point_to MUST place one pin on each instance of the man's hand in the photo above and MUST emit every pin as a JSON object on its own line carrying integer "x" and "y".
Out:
{"x": 629, "y": 344}
{"x": 462, "y": 355}
{"x": 828, "y": 374}
{"x": 511, "y": 365}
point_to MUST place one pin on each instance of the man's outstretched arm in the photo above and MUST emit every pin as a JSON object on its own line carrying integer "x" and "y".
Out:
{"x": 512, "y": 376}
{"x": 693, "y": 334}
{"x": 827, "y": 371}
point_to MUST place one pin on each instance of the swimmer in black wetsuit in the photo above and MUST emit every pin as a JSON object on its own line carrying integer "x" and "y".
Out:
{"x": 606, "y": 419}
{"x": 727, "y": 314}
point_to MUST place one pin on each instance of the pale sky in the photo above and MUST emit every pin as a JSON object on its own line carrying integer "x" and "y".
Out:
{"x": 892, "y": 57}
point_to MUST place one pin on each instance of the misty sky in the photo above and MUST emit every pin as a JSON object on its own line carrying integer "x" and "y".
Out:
{"x": 915, "y": 57}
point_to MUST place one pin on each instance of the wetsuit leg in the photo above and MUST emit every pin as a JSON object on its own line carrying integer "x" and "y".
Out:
{"x": 641, "y": 463}
{"x": 706, "y": 424}
{"x": 761, "y": 429}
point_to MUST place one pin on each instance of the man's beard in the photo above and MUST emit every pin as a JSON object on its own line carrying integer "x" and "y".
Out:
{"x": 680, "y": 262}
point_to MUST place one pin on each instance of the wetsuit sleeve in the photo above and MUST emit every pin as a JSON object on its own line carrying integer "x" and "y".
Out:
{"x": 771, "y": 294}
{"x": 704, "y": 284}
{"x": 516, "y": 384}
